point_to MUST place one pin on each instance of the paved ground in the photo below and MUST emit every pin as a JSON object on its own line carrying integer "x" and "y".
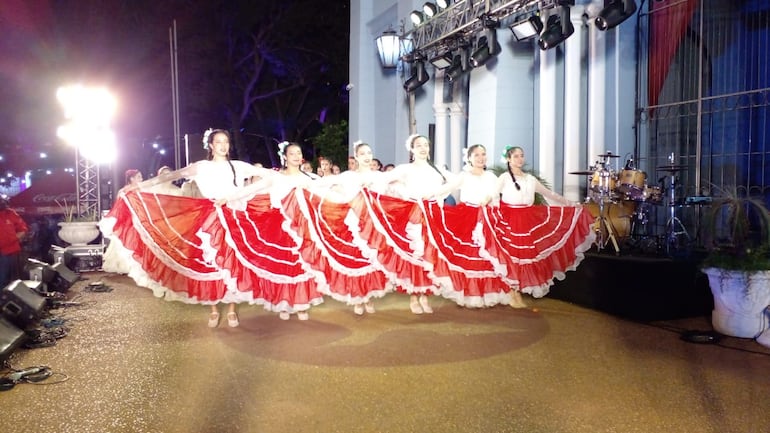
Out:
{"x": 134, "y": 363}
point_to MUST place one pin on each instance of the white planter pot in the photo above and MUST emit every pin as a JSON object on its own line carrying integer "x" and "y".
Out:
{"x": 740, "y": 301}
{"x": 78, "y": 233}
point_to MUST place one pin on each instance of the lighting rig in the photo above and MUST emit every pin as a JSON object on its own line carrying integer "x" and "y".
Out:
{"x": 444, "y": 31}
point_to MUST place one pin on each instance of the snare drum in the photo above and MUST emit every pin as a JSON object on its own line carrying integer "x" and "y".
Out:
{"x": 632, "y": 183}
{"x": 603, "y": 181}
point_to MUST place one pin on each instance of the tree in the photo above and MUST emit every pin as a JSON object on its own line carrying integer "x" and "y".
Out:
{"x": 281, "y": 72}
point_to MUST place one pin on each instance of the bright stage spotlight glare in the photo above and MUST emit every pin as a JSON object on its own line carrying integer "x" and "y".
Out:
{"x": 429, "y": 9}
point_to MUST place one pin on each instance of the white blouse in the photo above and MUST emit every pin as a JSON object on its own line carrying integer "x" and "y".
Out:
{"x": 215, "y": 178}
{"x": 525, "y": 196}
{"x": 476, "y": 189}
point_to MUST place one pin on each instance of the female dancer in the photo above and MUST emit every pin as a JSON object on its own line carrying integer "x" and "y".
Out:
{"x": 417, "y": 181}
{"x": 329, "y": 234}
{"x": 536, "y": 243}
{"x": 466, "y": 276}
{"x": 216, "y": 177}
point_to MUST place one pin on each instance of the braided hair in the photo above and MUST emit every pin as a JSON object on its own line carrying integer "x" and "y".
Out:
{"x": 210, "y": 146}
{"x": 508, "y": 152}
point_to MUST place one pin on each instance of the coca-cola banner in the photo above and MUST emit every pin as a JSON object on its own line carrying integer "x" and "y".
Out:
{"x": 49, "y": 195}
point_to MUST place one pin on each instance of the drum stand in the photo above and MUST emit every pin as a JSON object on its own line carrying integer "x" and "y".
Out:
{"x": 603, "y": 221}
{"x": 674, "y": 226}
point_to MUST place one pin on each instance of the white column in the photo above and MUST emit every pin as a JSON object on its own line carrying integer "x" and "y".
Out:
{"x": 456, "y": 121}
{"x": 572, "y": 187}
{"x": 547, "y": 131}
{"x": 597, "y": 81}
{"x": 441, "y": 144}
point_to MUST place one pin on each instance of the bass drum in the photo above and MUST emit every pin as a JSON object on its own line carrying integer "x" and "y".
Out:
{"x": 618, "y": 215}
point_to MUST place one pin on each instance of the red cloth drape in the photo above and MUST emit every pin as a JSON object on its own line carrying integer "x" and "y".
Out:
{"x": 668, "y": 22}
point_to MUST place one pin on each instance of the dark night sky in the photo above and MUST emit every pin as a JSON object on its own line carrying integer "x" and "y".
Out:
{"x": 47, "y": 46}
{"x": 121, "y": 44}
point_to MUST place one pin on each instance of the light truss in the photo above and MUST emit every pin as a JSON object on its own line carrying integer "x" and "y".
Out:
{"x": 88, "y": 187}
{"x": 460, "y": 21}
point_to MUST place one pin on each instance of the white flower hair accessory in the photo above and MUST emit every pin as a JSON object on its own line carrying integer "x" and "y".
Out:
{"x": 282, "y": 151}
{"x": 504, "y": 157}
{"x": 466, "y": 159}
{"x": 206, "y": 135}
{"x": 357, "y": 142}
{"x": 409, "y": 141}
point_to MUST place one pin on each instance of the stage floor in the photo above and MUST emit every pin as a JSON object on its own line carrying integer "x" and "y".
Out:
{"x": 135, "y": 363}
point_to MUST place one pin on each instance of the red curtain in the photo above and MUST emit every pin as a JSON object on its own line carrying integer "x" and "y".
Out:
{"x": 668, "y": 22}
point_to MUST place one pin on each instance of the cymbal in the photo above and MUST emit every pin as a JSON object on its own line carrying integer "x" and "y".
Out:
{"x": 671, "y": 168}
{"x": 608, "y": 155}
{"x": 587, "y": 173}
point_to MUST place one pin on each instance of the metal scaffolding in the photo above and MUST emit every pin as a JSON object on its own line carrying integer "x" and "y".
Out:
{"x": 456, "y": 24}
{"x": 88, "y": 187}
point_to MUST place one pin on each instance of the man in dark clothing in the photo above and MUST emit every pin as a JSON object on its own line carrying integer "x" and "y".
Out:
{"x": 12, "y": 231}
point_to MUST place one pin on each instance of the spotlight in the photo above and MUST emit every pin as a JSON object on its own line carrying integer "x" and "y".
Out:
{"x": 458, "y": 68}
{"x": 526, "y": 27}
{"x": 417, "y": 79}
{"x": 559, "y": 28}
{"x": 443, "y": 4}
{"x": 486, "y": 48}
{"x": 417, "y": 17}
{"x": 615, "y": 13}
{"x": 443, "y": 61}
{"x": 429, "y": 9}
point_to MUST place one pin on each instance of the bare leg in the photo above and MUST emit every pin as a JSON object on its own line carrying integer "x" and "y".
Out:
{"x": 214, "y": 317}
{"x": 516, "y": 300}
{"x": 414, "y": 305}
{"x": 425, "y": 304}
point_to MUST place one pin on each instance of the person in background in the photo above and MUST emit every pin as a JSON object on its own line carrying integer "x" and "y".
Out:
{"x": 324, "y": 166}
{"x": 12, "y": 231}
{"x": 306, "y": 167}
{"x": 352, "y": 163}
{"x": 388, "y": 167}
{"x": 133, "y": 177}
{"x": 335, "y": 169}
{"x": 376, "y": 165}
{"x": 167, "y": 188}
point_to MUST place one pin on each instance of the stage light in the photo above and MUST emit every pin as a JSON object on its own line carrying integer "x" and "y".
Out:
{"x": 486, "y": 48}
{"x": 615, "y": 13}
{"x": 429, "y": 9}
{"x": 417, "y": 17}
{"x": 442, "y": 62}
{"x": 443, "y": 4}
{"x": 418, "y": 78}
{"x": 389, "y": 48}
{"x": 559, "y": 28}
{"x": 458, "y": 68}
{"x": 526, "y": 27}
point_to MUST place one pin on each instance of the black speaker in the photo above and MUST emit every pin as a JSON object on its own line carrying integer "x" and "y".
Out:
{"x": 64, "y": 279}
{"x": 39, "y": 271}
{"x": 20, "y": 304}
{"x": 58, "y": 277}
{"x": 11, "y": 338}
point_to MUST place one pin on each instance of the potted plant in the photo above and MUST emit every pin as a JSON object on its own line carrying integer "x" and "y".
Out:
{"x": 737, "y": 237}
{"x": 77, "y": 229}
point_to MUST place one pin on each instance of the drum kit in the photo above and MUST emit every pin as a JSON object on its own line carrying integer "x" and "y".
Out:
{"x": 621, "y": 202}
